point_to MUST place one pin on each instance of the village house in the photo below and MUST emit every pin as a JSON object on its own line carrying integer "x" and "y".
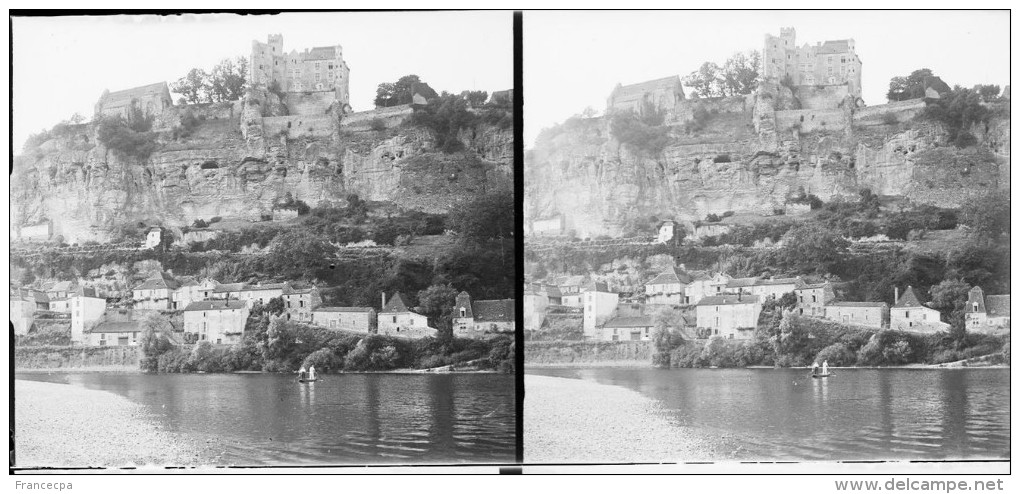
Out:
{"x": 284, "y": 213}
{"x": 702, "y": 231}
{"x": 189, "y": 291}
{"x": 298, "y": 303}
{"x": 667, "y": 230}
{"x": 151, "y": 99}
{"x": 86, "y": 308}
{"x": 627, "y": 328}
{"x": 61, "y": 305}
{"x": 812, "y": 298}
{"x": 732, "y": 316}
{"x": 535, "y": 303}
{"x": 599, "y": 305}
{"x": 263, "y": 293}
{"x": 764, "y": 288}
{"x": 216, "y": 321}
{"x": 872, "y": 314}
{"x": 985, "y": 313}
{"x": 570, "y": 290}
{"x": 355, "y": 319}
{"x": 155, "y": 293}
{"x": 668, "y": 287}
{"x": 40, "y": 232}
{"x": 24, "y": 302}
{"x": 153, "y": 237}
{"x": 396, "y": 319}
{"x": 705, "y": 286}
{"x": 117, "y": 327}
{"x": 207, "y": 289}
{"x": 60, "y": 290}
{"x": 663, "y": 94}
{"x": 228, "y": 291}
{"x": 909, "y": 314}
{"x": 482, "y": 318}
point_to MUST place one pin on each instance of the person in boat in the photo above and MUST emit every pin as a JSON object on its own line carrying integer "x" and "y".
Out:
{"x": 814, "y": 369}
{"x": 825, "y": 367}
{"x": 302, "y": 374}
{"x": 311, "y": 372}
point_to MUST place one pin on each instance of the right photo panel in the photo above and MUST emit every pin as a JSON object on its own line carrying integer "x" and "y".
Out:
{"x": 762, "y": 236}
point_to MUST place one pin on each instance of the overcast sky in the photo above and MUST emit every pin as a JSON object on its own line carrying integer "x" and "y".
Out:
{"x": 573, "y": 60}
{"x": 62, "y": 65}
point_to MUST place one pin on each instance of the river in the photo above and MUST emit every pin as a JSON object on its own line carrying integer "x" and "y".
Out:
{"x": 269, "y": 419}
{"x": 858, "y": 414}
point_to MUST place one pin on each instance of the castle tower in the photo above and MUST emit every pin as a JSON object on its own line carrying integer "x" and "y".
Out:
{"x": 314, "y": 72}
{"x": 828, "y": 63}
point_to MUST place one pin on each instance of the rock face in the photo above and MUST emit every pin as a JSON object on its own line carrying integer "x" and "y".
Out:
{"x": 230, "y": 165}
{"x": 748, "y": 156}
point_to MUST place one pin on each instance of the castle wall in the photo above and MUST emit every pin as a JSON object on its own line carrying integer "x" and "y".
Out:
{"x": 361, "y": 121}
{"x": 821, "y": 97}
{"x": 730, "y": 104}
{"x": 902, "y": 110}
{"x": 298, "y": 126}
{"x": 811, "y": 120}
{"x": 171, "y": 116}
{"x": 309, "y": 102}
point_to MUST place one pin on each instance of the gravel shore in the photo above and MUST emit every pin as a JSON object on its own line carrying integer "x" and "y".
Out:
{"x": 60, "y": 425}
{"x": 575, "y": 421}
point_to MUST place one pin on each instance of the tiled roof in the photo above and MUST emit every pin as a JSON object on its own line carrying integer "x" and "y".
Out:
{"x": 998, "y": 305}
{"x": 569, "y": 281}
{"x": 494, "y": 310}
{"x": 229, "y": 287}
{"x": 728, "y": 300}
{"x": 976, "y": 294}
{"x": 215, "y": 305}
{"x": 812, "y": 286}
{"x": 741, "y": 282}
{"x": 671, "y": 276}
{"x": 61, "y": 286}
{"x": 909, "y": 299}
{"x": 596, "y": 286}
{"x": 463, "y": 302}
{"x": 321, "y": 53}
{"x": 158, "y": 281}
{"x": 396, "y": 304}
{"x": 630, "y": 322}
{"x": 858, "y": 304}
{"x": 267, "y": 286}
{"x": 637, "y": 90}
{"x": 188, "y": 281}
{"x": 289, "y": 290}
{"x": 779, "y": 281}
{"x": 834, "y": 46}
{"x": 124, "y": 96}
{"x": 118, "y": 327}
{"x": 86, "y": 292}
{"x": 343, "y": 309}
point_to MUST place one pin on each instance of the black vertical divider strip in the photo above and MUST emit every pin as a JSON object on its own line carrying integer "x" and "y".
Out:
{"x": 10, "y": 173}
{"x": 518, "y": 102}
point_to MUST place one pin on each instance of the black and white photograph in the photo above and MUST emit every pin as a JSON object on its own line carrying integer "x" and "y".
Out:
{"x": 262, "y": 240}
{"x": 763, "y": 236}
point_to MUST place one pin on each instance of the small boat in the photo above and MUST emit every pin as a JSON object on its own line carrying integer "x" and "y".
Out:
{"x": 311, "y": 376}
{"x": 817, "y": 376}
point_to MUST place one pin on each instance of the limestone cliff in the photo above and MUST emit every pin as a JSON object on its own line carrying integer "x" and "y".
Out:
{"x": 238, "y": 159}
{"x": 749, "y": 154}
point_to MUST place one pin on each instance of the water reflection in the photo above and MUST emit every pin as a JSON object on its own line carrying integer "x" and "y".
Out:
{"x": 860, "y": 414}
{"x": 359, "y": 418}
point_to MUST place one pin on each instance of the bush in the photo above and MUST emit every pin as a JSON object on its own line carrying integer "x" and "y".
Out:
{"x": 890, "y": 118}
{"x": 117, "y": 135}
{"x": 377, "y": 124}
{"x": 324, "y": 360}
{"x": 642, "y": 133}
{"x": 837, "y": 354}
{"x": 722, "y": 158}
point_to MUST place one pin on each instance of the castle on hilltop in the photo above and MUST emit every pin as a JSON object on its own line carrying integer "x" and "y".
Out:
{"x": 831, "y": 63}
{"x": 319, "y": 70}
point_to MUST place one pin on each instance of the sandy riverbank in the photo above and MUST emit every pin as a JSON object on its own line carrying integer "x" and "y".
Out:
{"x": 588, "y": 365}
{"x": 60, "y": 425}
{"x": 570, "y": 421}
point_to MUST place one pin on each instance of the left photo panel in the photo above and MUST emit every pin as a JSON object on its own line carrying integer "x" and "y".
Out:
{"x": 263, "y": 240}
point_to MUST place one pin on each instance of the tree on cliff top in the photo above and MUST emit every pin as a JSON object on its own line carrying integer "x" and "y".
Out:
{"x": 226, "y": 82}
{"x": 402, "y": 92}
{"x": 738, "y": 75}
{"x": 914, "y": 85}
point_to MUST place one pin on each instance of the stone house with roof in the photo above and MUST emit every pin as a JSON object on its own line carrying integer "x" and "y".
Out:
{"x": 986, "y": 312}
{"x": 705, "y": 286}
{"x": 298, "y": 303}
{"x": 813, "y": 297}
{"x": 668, "y": 287}
{"x": 482, "y": 318}
{"x": 909, "y": 314}
{"x": 764, "y": 288}
{"x": 732, "y": 316}
{"x": 872, "y": 314}
{"x": 155, "y": 292}
{"x": 24, "y": 302}
{"x": 599, "y": 305}
{"x": 535, "y": 302}
{"x": 663, "y": 94}
{"x": 151, "y": 99}
{"x": 60, "y": 290}
{"x": 395, "y": 319}
{"x": 627, "y": 328}
{"x": 217, "y": 321}
{"x": 117, "y": 327}
{"x": 355, "y": 319}
{"x": 87, "y": 307}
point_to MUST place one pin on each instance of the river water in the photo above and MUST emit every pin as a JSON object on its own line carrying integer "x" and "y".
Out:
{"x": 858, "y": 414}
{"x": 269, "y": 419}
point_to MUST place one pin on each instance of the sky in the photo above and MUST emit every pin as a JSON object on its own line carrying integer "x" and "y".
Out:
{"x": 62, "y": 65}
{"x": 572, "y": 60}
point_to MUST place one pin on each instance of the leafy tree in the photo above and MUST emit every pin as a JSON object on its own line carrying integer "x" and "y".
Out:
{"x": 739, "y": 74}
{"x": 643, "y": 132}
{"x": 445, "y": 116}
{"x": 950, "y": 298}
{"x": 227, "y": 80}
{"x": 914, "y": 85}
{"x": 193, "y": 87}
{"x": 125, "y": 136}
{"x": 987, "y": 214}
{"x": 402, "y": 92}
{"x": 484, "y": 217}
{"x": 155, "y": 340}
{"x": 437, "y": 303}
{"x": 988, "y": 92}
{"x": 958, "y": 110}
{"x": 666, "y": 336}
{"x": 706, "y": 82}
{"x": 813, "y": 248}
{"x": 475, "y": 98}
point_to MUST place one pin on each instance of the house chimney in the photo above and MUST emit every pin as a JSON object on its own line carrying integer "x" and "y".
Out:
{"x": 383, "y": 301}
{"x": 896, "y": 295}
